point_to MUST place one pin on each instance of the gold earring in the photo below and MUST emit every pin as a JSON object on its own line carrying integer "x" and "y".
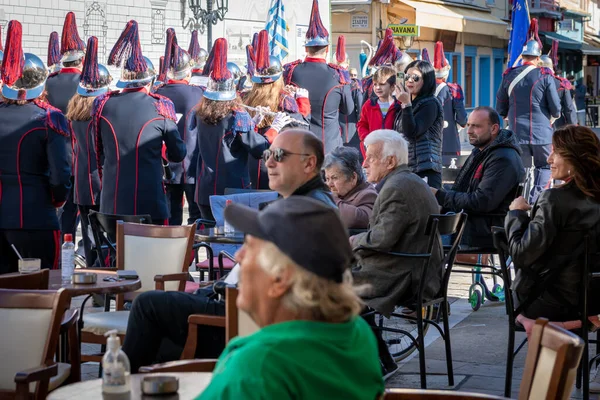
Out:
{"x": 569, "y": 172}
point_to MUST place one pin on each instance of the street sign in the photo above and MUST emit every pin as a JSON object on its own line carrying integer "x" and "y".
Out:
{"x": 359, "y": 21}
{"x": 405, "y": 30}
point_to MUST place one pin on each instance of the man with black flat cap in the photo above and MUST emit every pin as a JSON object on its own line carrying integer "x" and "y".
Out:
{"x": 295, "y": 283}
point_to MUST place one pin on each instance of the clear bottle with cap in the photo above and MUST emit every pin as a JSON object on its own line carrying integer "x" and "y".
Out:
{"x": 453, "y": 164}
{"x": 67, "y": 258}
{"x": 116, "y": 369}
{"x": 228, "y": 228}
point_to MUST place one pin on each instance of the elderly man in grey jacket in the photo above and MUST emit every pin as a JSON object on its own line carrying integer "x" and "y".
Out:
{"x": 398, "y": 224}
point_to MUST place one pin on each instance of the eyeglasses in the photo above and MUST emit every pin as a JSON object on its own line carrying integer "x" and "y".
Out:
{"x": 414, "y": 77}
{"x": 279, "y": 154}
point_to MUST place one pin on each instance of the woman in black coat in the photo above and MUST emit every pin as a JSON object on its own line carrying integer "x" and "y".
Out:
{"x": 547, "y": 248}
{"x": 421, "y": 121}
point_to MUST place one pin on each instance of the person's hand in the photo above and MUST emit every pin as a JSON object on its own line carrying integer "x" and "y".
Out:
{"x": 260, "y": 114}
{"x": 281, "y": 120}
{"x": 519, "y": 204}
{"x": 301, "y": 93}
{"x": 402, "y": 95}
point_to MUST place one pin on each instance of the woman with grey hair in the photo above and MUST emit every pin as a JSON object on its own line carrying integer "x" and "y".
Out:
{"x": 353, "y": 195}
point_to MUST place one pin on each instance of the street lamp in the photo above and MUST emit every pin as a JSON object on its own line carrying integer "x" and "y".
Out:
{"x": 205, "y": 18}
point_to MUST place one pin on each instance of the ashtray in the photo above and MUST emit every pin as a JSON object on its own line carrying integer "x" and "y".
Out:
{"x": 84, "y": 278}
{"x": 160, "y": 384}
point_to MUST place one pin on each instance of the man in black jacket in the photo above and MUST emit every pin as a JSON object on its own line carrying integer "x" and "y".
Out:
{"x": 489, "y": 179}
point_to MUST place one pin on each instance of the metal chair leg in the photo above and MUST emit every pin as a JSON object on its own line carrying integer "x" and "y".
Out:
{"x": 510, "y": 357}
{"x": 447, "y": 343}
{"x": 422, "y": 369}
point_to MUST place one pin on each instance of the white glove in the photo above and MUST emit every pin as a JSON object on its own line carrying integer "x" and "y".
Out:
{"x": 301, "y": 93}
{"x": 281, "y": 120}
{"x": 259, "y": 115}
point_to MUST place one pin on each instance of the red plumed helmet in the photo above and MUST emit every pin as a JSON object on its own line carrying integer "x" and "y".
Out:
{"x": 440, "y": 63}
{"x": 221, "y": 85}
{"x": 317, "y": 34}
{"x": 386, "y": 51}
{"x": 14, "y": 61}
{"x": 53, "y": 50}
{"x": 72, "y": 47}
{"x": 262, "y": 51}
{"x": 340, "y": 50}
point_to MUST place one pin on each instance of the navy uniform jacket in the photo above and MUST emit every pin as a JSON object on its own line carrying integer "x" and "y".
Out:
{"x": 453, "y": 102}
{"x": 131, "y": 127}
{"x": 224, "y": 149}
{"x": 348, "y": 121}
{"x": 185, "y": 97}
{"x": 35, "y": 172}
{"x": 533, "y": 101}
{"x": 62, "y": 86}
{"x": 329, "y": 90}
{"x": 568, "y": 113}
{"x": 87, "y": 180}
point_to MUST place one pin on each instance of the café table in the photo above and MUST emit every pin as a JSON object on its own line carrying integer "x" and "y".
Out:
{"x": 101, "y": 286}
{"x": 191, "y": 384}
{"x": 218, "y": 236}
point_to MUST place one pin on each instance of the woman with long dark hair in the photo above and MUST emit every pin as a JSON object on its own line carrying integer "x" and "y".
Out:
{"x": 547, "y": 247}
{"x": 421, "y": 121}
{"x": 269, "y": 94}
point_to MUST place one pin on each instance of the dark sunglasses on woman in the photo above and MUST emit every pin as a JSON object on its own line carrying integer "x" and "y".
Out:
{"x": 279, "y": 154}
{"x": 414, "y": 77}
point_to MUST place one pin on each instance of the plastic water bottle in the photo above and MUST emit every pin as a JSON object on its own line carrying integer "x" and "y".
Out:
{"x": 453, "y": 164}
{"x": 228, "y": 228}
{"x": 67, "y": 264}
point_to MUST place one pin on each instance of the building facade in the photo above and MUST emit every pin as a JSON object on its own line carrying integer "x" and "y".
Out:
{"x": 106, "y": 19}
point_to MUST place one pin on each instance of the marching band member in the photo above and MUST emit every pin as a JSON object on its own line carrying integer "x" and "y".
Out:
{"x": 199, "y": 56}
{"x": 178, "y": 65}
{"x": 268, "y": 91}
{"x": 453, "y": 101}
{"x": 348, "y": 121}
{"x": 568, "y": 114}
{"x": 53, "y": 59}
{"x": 95, "y": 81}
{"x": 35, "y": 156}
{"x": 131, "y": 127}
{"x": 226, "y": 134}
{"x": 328, "y": 84}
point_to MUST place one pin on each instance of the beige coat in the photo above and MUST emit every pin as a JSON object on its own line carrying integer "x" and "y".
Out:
{"x": 398, "y": 224}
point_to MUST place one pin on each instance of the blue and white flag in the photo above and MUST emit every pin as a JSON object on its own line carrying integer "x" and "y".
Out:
{"x": 277, "y": 29}
{"x": 518, "y": 34}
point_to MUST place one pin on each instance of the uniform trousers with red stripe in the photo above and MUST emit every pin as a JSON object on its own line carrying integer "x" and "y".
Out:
{"x": 42, "y": 244}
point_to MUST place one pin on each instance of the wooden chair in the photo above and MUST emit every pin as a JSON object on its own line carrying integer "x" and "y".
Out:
{"x": 33, "y": 281}
{"x": 67, "y": 372}
{"x": 235, "y": 322}
{"x": 551, "y": 364}
{"x": 30, "y": 328}
{"x": 160, "y": 255}
{"x": 420, "y": 394}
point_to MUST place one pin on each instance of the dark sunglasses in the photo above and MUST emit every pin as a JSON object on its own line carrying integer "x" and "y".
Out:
{"x": 414, "y": 77}
{"x": 279, "y": 154}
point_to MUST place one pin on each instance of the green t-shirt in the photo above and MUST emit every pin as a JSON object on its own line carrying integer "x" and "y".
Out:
{"x": 300, "y": 360}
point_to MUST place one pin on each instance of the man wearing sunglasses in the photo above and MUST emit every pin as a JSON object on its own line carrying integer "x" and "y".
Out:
{"x": 158, "y": 320}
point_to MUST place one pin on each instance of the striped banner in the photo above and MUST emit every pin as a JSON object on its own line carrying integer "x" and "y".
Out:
{"x": 277, "y": 29}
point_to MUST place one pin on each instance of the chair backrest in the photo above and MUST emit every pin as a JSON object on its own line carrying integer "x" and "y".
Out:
{"x": 228, "y": 191}
{"x": 153, "y": 250}
{"x": 501, "y": 245}
{"x": 32, "y": 281}
{"x": 104, "y": 230}
{"x": 551, "y": 364}
{"x": 238, "y": 322}
{"x": 450, "y": 224}
{"x": 420, "y": 394}
{"x": 29, "y": 330}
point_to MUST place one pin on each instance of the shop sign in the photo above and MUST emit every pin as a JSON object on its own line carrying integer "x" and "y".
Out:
{"x": 359, "y": 22}
{"x": 405, "y": 30}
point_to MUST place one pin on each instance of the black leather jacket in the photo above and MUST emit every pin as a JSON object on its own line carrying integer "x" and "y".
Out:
{"x": 422, "y": 125}
{"x": 552, "y": 240}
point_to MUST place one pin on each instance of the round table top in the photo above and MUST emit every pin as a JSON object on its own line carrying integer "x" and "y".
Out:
{"x": 191, "y": 384}
{"x": 100, "y": 287}
{"x": 215, "y": 235}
